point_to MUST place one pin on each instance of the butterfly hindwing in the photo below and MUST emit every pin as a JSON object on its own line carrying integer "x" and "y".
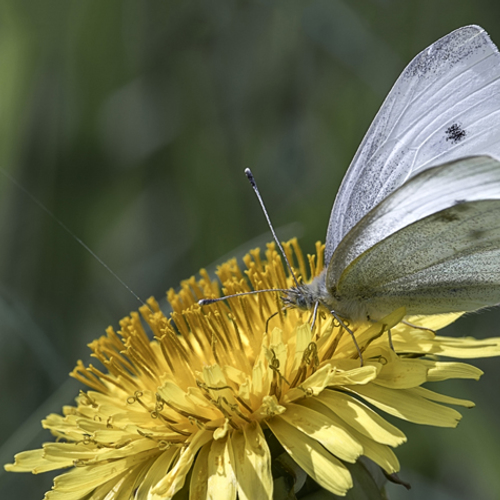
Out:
{"x": 446, "y": 262}
{"x": 433, "y": 190}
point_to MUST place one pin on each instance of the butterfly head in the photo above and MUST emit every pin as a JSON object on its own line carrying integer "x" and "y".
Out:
{"x": 299, "y": 297}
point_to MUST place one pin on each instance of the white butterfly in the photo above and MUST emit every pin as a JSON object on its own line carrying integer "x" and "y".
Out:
{"x": 416, "y": 222}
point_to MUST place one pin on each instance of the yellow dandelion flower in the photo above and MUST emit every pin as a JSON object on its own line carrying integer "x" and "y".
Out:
{"x": 194, "y": 407}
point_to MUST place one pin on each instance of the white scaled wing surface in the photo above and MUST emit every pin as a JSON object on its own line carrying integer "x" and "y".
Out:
{"x": 433, "y": 246}
{"x": 444, "y": 106}
{"x": 435, "y": 189}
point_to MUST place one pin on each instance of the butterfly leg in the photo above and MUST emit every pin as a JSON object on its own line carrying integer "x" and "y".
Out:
{"x": 269, "y": 319}
{"x": 314, "y": 315}
{"x": 417, "y": 327}
{"x": 389, "y": 334}
{"x": 351, "y": 333}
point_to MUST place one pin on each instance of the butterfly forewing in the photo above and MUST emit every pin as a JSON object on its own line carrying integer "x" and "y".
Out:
{"x": 445, "y": 105}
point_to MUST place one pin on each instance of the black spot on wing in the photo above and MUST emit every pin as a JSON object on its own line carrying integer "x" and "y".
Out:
{"x": 455, "y": 133}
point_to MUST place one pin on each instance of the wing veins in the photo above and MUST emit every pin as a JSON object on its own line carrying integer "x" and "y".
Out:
{"x": 425, "y": 89}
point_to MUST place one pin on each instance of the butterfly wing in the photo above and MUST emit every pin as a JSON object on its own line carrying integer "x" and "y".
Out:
{"x": 445, "y": 105}
{"x": 432, "y": 190}
{"x": 446, "y": 262}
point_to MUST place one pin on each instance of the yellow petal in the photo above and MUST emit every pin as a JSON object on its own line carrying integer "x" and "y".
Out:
{"x": 244, "y": 392}
{"x": 400, "y": 373}
{"x": 83, "y": 480}
{"x": 269, "y": 408}
{"x": 372, "y": 329}
{"x": 379, "y": 453}
{"x": 174, "y": 395}
{"x": 422, "y": 341}
{"x": 328, "y": 376}
{"x": 197, "y": 398}
{"x": 27, "y": 461}
{"x": 221, "y": 432}
{"x": 362, "y": 418}
{"x": 123, "y": 487}
{"x": 221, "y": 478}
{"x": 433, "y": 322}
{"x": 302, "y": 342}
{"x": 59, "y": 450}
{"x": 214, "y": 376}
{"x": 237, "y": 376}
{"x": 252, "y": 462}
{"x": 408, "y": 404}
{"x": 438, "y": 370}
{"x": 317, "y": 426}
{"x": 356, "y": 375}
{"x": 75, "y": 495}
{"x": 279, "y": 350}
{"x": 156, "y": 473}
{"x": 261, "y": 381}
{"x": 467, "y": 347}
{"x": 323, "y": 467}
{"x": 170, "y": 484}
{"x": 69, "y": 452}
{"x": 198, "y": 486}
{"x": 442, "y": 398}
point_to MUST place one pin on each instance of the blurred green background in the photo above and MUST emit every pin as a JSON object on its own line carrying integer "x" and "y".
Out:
{"x": 133, "y": 121}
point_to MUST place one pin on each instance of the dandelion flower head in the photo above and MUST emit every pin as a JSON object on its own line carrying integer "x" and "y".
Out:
{"x": 195, "y": 407}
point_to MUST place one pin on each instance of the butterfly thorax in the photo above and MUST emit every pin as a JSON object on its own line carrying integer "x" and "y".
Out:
{"x": 306, "y": 296}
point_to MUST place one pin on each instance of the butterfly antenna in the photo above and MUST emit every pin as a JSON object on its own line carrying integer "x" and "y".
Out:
{"x": 71, "y": 233}
{"x": 206, "y": 302}
{"x": 251, "y": 178}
